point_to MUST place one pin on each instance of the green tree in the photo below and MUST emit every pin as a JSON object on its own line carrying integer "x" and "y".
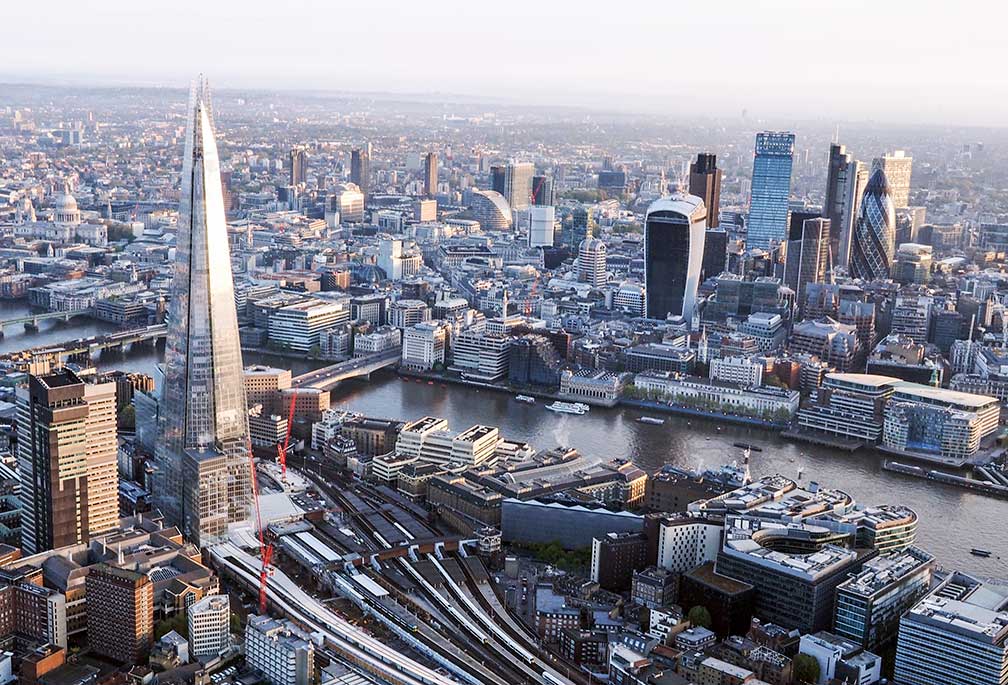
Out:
{"x": 699, "y": 616}
{"x": 806, "y": 669}
{"x": 127, "y": 418}
{"x": 178, "y": 623}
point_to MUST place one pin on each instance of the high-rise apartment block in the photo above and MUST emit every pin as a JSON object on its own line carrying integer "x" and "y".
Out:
{"x": 67, "y": 451}
{"x": 208, "y": 621}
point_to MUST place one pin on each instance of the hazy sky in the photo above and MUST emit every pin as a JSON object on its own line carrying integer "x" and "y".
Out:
{"x": 889, "y": 60}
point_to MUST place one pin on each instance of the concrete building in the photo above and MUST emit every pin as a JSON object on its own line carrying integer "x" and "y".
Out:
{"x": 279, "y": 650}
{"x": 592, "y": 262}
{"x": 296, "y": 327}
{"x": 738, "y": 370}
{"x": 209, "y": 622}
{"x": 424, "y": 346}
{"x": 685, "y": 542}
{"x": 480, "y": 356}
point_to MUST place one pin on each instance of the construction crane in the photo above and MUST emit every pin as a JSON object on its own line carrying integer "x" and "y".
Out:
{"x": 265, "y": 550}
{"x": 282, "y": 448}
{"x": 535, "y": 284}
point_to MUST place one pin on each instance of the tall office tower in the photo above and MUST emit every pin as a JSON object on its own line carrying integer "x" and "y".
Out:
{"x": 674, "y": 235}
{"x": 203, "y": 475}
{"x": 360, "y": 170}
{"x": 771, "y": 188}
{"x": 67, "y": 450}
{"x": 897, "y": 168}
{"x": 542, "y": 191}
{"x": 120, "y": 613}
{"x": 807, "y": 255}
{"x": 514, "y": 182}
{"x": 430, "y": 174}
{"x": 855, "y": 180}
{"x": 582, "y": 226}
{"x": 498, "y": 180}
{"x": 873, "y": 245}
{"x": 715, "y": 254}
{"x": 705, "y": 183}
{"x": 836, "y": 191}
{"x": 541, "y": 225}
{"x": 592, "y": 262}
{"x": 298, "y": 165}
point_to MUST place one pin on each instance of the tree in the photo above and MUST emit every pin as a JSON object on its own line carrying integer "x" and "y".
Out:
{"x": 127, "y": 418}
{"x": 699, "y": 616}
{"x": 806, "y": 669}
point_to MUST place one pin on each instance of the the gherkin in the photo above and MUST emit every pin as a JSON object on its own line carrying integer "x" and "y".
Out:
{"x": 873, "y": 246}
{"x": 202, "y": 481}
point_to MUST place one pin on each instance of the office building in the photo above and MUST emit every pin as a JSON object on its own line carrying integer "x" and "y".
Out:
{"x": 994, "y": 234}
{"x": 849, "y": 405}
{"x": 873, "y": 246}
{"x": 956, "y": 635}
{"x": 616, "y": 558}
{"x": 481, "y": 356}
{"x": 491, "y": 210}
{"x": 705, "y": 183}
{"x": 771, "y": 189}
{"x": 430, "y": 174}
{"x": 74, "y": 469}
{"x": 209, "y": 621}
{"x": 514, "y": 182}
{"x": 120, "y": 613}
{"x": 298, "y": 163}
{"x": 897, "y": 168}
{"x": 736, "y": 370}
{"x": 346, "y": 205}
{"x": 715, "y": 254}
{"x": 543, "y": 194}
{"x": 542, "y": 225}
{"x": 807, "y": 255}
{"x": 297, "y": 326}
{"x": 279, "y": 650}
{"x": 203, "y": 412}
{"x": 360, "y": 170}
{"x": 582, "y": 225}
{"x": 592, "y": 262}
{"x": 870, "y": 603}
{"x": 835, "y": 343}
{"x": 674, "y": 234}
{"x": 424, "y": 345}
{"x": 913, "y": 264}
{"x": 425, "y": 210}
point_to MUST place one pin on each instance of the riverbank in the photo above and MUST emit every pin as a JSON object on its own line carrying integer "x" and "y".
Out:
{"x": 983, "y": 487}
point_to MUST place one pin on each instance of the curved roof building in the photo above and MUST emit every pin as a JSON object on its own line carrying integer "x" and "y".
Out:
{"x": 874, "y": 241}
{"x": 492, "y": 210}
{"x": 674, "y": 230}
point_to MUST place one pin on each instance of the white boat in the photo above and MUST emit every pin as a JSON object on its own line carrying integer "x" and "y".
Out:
{"x": 525, "y": 398}
{"x": 578, "y": 408}
{"x": 654, "y": 421}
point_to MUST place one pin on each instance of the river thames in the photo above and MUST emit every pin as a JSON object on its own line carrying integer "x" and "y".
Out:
{"x": 952, "y": 521}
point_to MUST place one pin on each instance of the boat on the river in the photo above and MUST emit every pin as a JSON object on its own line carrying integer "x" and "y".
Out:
{"x": 527, "y": 399}
{"x": 652, "y": 420}
{"x": 980, "y": 552}
{"x": 578, "y": 408}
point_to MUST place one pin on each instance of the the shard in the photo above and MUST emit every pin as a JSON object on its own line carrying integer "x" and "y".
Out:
{"x": 202, "y": 479}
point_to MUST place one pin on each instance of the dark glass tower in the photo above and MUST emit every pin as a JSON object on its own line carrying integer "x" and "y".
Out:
{"x": 430, "y": 174}
{"x": 673, "y": 255}
{"x": 705, "y": 183}
{"x": 360, "y": 171}
{"x": 875, "y": 235}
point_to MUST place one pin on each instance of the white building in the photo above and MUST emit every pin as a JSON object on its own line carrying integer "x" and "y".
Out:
{"x": 685, "y": 543}
{"x": 738, "y": 370}
{"x": 629, "y": 297}
{"x": 543, "y": 225}
{"x": 380, "y": 340}
{"x": 406, "y": 313}
{"x": 347, "y": 203}
{"x": 209, "y": 621}
{"x": 592, "y": 262}
{"x": 430, "y": 441}
{"x": 481, "y": 356}
{"x": 424, "y": 346}
{"x": 279, "y": 650}
{"x": 297, "y": 326}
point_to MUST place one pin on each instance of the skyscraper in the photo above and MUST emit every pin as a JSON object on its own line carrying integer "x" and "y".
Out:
{"x": 120, "y": 613}
{"x": 771, "y": 188}
{"x": 705, "y": 183}
{"x": 807, "y": 253}
{"x": 542, "y": 191}
{"x": 67, "y": 455}
{"x": 836, "y": 186}
{"x": 430, "y": 169}
{"x": 897, "y": 167}
{"x": 855, "y": 180}
{"x": 674, "y": 234}
{"x": 715, "y": 253}
{"x": 360, "y": 170}
{"x": 202, "y": 481}
{"x": 298, "y": 165}
{"x": 582, "y": 226}
{"x": 514, "y": 182}
{"x": 874, "y": 240}
{"x": 592, "y": 262}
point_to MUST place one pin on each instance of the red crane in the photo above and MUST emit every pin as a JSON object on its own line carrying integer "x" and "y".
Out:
{"x": 265, "y": 551}
{"x": 282, "y": 449}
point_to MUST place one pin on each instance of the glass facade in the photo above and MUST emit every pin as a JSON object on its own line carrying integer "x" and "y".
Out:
{"x": 874, "y": 243}
{"x": 203, "y": 408}
{"x": 674, "y": 234}
{"x": 771, "y": 187}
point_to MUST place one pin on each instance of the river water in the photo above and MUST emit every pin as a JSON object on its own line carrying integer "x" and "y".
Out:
{"x": 952, "y": 521}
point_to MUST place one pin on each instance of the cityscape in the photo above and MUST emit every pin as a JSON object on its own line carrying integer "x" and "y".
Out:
{"x": 421, "y": 385}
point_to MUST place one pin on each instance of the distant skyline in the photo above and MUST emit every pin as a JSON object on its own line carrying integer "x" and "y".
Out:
{"x": 897, "y": 62}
